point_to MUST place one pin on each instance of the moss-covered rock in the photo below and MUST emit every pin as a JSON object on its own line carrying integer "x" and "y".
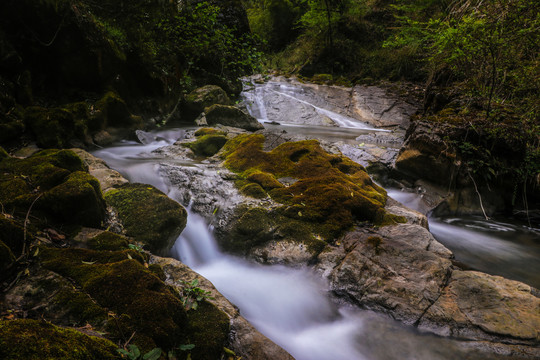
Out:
{"x": 108, "y": 241}
{"x": 209, "y": 131}
{"x": 253, "y": 190}
{"x": 231, "y": 116}
{"x": 31, "y": 339}
{"x": 331, "y": 193}
{"x": 118, "y": 281}
{"x": 148, "y": 215}
{"x": 112, "y": 111}
{"x": 207, "y": 145}
{"x": 57, "y": 183}
{"x": 203, "y": 97}
{"x": 52, "y": 128}
{"x": 208, "y": 331}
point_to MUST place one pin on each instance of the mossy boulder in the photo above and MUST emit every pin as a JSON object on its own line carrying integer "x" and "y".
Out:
{"x": 207, "y": 145}
{"x": 231, "y": 116}
{"x": 203, "y": 97}
{"x": 119, "y": 282}
{"x": 148, "y": 215}
{"x": 331, "y": 193}
{"x": 52, "y": 127}
{"x": 31, "y": 339}
{"x": 56, "y": 182}
{"x": 112, "y": 111}
{"x": 108, "y": 241}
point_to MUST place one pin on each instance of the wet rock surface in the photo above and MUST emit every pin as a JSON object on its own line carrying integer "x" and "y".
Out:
{"x": 243, "y": 338}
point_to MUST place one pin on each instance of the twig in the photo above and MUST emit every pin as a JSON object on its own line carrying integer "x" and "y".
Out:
{"x": 26, "y": 222}
{"x": 131, "y": 337}
{"x": 479, "y": 196}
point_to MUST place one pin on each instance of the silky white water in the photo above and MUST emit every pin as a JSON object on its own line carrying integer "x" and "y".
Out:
{"x": 290, "y": 306}
{"x": 506, "y": 248}
{"x": 293, "y": 306}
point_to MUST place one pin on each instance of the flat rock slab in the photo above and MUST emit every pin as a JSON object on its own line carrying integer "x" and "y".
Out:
{"x": 485, "y": 307}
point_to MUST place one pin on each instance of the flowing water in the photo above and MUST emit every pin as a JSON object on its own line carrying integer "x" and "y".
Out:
{"x": 508, "y": 247}
{"x": 290, "y": 306}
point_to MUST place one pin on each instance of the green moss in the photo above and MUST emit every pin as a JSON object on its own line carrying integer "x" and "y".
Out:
{"x": 375, "y": 242}
{"x": 148, "y": 214}
{"x": 58, "y": 183}
{"x": 30, "y": 339}
{"x": 53, "y": 128}
{"x": 118, "y": 281}
{"x": 12, "y": 125}
{"x": 203, "y": 97}
{"x": 209, "y": 131}
{"x": 253, "y": 190}
{"x": 208, "y": 331}
{"x": 207, "y": 145}
{"x": 265, "y": 180}
{"x": 3, "y": 153}
{"x": 78, "y": 200}
{"x": 332, "y": 192}
{"x": 108, "y": 241}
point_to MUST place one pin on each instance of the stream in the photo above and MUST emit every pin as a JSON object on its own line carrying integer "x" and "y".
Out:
{"x": 293, "y": 307}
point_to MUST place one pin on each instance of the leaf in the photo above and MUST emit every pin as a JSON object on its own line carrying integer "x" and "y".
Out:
{"x": 153, "y": 354}
{"x": 229, "y": 351}
{"x": 37, "y": 252}
{"x": 129, "y": 257}
{"x": 134, "y": 350}
{"x": 186, "y": 347}
{"x": 89, "y": 262}
{"x": 300, "y": 213}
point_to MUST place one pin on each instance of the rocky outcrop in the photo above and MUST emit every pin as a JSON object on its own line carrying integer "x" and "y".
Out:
{"x": 290, "y": 101}
{"x": 231, "y": 116}
{"x": 243, "y": 338}
{"x": 203, "y": 97}
{"x": 108, "y": 178}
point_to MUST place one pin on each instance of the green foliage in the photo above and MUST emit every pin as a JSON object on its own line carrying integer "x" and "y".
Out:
{"x": 200, "y": 41}
{"x": 192, "y": 294}
{"x": 133, "y": 353}
{"x": 274, "y": 21}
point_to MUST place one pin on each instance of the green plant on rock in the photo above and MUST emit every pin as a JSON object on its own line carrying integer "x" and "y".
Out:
{"x": 133, "y": 353}
{"x": 192, "y": 294}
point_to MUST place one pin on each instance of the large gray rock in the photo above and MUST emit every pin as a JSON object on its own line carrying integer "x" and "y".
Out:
{"x": 244, "y": 339}
{"x": 399, "y": 270}
{"x": 231, "y": 116}
{"x": 485, "y": 307}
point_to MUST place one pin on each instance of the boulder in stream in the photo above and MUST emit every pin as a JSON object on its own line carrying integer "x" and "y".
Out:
{"x": 231, "y": 116}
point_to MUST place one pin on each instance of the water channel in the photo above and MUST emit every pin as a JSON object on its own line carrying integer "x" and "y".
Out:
{"x": 291, "y": 306}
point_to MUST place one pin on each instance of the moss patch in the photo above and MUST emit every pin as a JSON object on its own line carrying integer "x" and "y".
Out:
{"x": 108, "y": 241}
{"x": 253, "y": 190}
{"x": 332, "y": 192}
{"x": 209, "y": 131}
{"x": 3, "y": 153}
{"x": 58, "y": 184}
{"x": 118, "y": 281}
{"x": 208, "y": 331}
{"x": 148, "y": 214}
{"x": 207, "y": 145}
{"x": 30, "y": 339}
